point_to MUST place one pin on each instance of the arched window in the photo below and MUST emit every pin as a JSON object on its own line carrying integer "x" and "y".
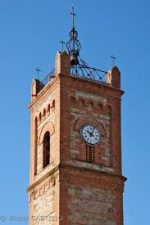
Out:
{"x": 53, "y": 104}
{"x": 46, "y": 149}
{"x": 40, "y": 117}
{"x": 48, "y": 108}
{"x": 44, "y": 112}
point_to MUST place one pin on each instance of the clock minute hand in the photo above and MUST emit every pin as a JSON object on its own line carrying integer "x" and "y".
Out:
{"x": 93, "y": 131}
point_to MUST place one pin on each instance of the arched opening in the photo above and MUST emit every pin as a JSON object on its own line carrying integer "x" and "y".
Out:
{"x": 48, "y": 108}
{"x": 40, "y": 117}
{"x": 53, "y": 104}
{"x": 44, "y": 112}
{"x": 46, "y": 149}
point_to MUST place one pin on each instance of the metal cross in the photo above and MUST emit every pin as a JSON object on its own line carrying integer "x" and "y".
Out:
{"x": 113, "y": 59}
{"x": 73, "y": 15}
{"x": 37, "y": 69}
{"x": 63, "y": 44}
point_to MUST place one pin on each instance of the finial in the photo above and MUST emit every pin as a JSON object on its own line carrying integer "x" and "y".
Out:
{"x": 37, "y": 69}
{"x": 73, "y": 16}
{"x": 73, "y": 45}
{"x": 113, "y": 60}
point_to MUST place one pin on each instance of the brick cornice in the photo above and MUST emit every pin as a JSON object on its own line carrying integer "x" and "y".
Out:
{"x": 118, "y": 92}
{"x": 53, "y": 84}
{"x": 67, "y": 165}
{"x": 73, "y": 175}
{"x": 40, "y": 180}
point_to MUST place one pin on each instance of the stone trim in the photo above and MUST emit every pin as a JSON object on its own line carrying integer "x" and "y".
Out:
{"x": 32, "y": 186}
{"x": 49, "y": 126}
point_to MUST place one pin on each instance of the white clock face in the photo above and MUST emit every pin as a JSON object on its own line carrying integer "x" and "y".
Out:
{"x": 90, "y": 134}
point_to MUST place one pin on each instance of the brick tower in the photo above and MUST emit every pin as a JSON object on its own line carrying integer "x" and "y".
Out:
{"x": 75, "y": 167}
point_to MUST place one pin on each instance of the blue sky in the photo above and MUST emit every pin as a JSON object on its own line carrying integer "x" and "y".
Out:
{"x": 30, "y": 32}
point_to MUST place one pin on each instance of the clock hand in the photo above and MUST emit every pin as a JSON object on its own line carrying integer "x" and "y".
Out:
{"x": 93, "y": 131}
{"x": 89, "y": 133}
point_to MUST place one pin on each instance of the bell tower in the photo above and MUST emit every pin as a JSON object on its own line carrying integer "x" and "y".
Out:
{"x": 75, "y": 154}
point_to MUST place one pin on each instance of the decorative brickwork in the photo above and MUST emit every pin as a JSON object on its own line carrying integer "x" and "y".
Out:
{"x": 89, "y": 120}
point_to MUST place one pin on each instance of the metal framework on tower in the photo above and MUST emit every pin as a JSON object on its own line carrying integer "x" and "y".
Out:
{"x": 78, "y": 66}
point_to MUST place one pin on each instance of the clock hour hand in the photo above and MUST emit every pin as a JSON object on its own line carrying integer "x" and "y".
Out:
{"x": 89, "y": 133}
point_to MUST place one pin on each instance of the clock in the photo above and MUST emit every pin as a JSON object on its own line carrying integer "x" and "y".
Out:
{"x": 90, "y": 134}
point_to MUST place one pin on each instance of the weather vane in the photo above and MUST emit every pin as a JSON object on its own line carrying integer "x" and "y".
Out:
{"x": 113, "y": 59}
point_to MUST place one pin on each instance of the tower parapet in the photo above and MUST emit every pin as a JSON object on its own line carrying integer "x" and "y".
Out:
{"x": 113, "y": 77}
{"x": 62, "y": 63}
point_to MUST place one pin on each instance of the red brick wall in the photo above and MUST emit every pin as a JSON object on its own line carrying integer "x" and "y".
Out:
{"x": 90, "y": 102}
